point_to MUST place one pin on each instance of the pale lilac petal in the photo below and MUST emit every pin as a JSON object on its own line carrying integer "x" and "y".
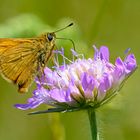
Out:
{"x": 88, "y": 84}
{"x": 130, "y": 63}
{"x": 104, "y": 53}
{"x": 119, "y": 68}
{"x": 58, "y": 95}
{"x": 105, "y": 84}
{"x": 32, "y": 103}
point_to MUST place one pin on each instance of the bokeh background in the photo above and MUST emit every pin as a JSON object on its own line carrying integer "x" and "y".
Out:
{"x": 114, "y": 23}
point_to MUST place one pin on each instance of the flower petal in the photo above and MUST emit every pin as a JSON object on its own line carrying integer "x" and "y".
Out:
{"x": 130, "y": 63}
{"x": 104, "y": 53}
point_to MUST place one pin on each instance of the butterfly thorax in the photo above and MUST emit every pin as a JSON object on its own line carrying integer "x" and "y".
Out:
{"x": 45, "y": 47}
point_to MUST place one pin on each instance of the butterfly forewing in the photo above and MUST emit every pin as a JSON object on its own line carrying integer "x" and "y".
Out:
{"x": 19, "y": 60}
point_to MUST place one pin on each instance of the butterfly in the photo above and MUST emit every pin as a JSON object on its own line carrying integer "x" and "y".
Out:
{"x": 22, "y": 58}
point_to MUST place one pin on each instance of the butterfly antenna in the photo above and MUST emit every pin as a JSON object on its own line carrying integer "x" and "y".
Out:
{"x": 64, "y": 27}
{"x": 69, "y": 25}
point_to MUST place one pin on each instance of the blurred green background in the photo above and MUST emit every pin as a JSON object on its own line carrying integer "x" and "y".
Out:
{"x": 115, "y": 24}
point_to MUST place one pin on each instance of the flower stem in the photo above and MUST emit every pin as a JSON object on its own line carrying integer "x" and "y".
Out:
{"x": 93, "y": 124}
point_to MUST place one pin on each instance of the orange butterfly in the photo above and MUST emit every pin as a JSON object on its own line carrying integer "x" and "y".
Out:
{"x": 21, "y": 59}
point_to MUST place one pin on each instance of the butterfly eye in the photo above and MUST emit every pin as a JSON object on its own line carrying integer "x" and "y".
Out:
{"x": 50, "y": 37}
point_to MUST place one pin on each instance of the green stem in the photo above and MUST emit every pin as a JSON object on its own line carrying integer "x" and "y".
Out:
{"x": 93, "y": 123}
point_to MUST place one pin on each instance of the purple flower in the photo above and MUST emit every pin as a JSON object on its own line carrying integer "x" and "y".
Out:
{"x": 81, "y": 84}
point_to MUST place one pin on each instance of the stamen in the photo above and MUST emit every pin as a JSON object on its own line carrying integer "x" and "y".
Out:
{"x": 126, "y": 52}
{"x": 75, "y": 54}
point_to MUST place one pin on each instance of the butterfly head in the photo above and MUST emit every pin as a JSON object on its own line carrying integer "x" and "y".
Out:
{"x": 50, "y": 39}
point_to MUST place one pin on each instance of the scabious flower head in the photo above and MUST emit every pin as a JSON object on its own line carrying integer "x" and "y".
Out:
{"x": 81, "y": 84}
